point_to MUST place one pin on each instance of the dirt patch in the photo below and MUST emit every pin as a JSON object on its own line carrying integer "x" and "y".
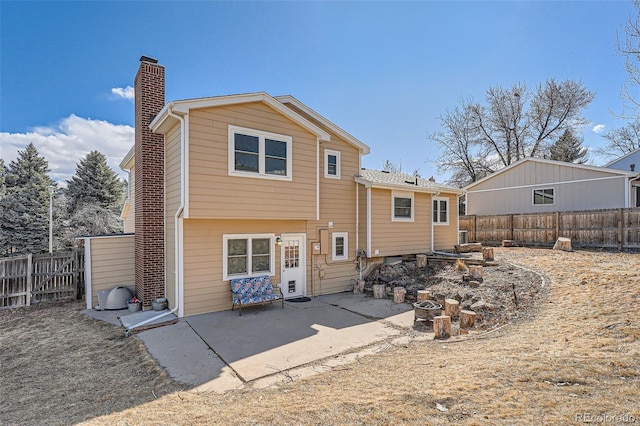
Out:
{"x": 505, "y": 293}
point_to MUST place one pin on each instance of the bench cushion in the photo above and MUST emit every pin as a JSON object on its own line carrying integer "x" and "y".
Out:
{"x": 253, "y": 290}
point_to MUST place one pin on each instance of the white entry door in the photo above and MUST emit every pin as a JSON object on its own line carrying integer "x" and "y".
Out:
{"x": 293, "y": 265}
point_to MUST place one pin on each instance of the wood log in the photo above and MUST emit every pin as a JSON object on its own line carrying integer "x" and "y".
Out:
{"x": 442, "y": 326}
{"x": 563, "y": 244}
{"x": 474, "y": 284}
{"x": 510, "y": 243}
{"x": 379, "y": 291}
{"x": 487, "y": 253}
{"x": 423, "y": 295}
{"x": 475, "y": 271}
{"x": 358, "y": 288}
{"x": 467, "y": 319}
{"x": 468, "y": 247}
{"x": 421, "y": 260}
{"x": 398, "y": 294}
{"x": 451, "y": 308}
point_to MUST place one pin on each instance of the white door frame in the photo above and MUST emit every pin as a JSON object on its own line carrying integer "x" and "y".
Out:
{"x": 302, "y": 263}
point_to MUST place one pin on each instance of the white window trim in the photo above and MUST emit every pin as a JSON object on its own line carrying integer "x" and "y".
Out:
{"x": 448, "y": 209}
{"x": 334, "y": 236}
{"x": 225, "y": 246}
{"x": 261, "y": 135}
{"x": 533, "y": 196}
{"x": 327, "y": 153}
{"x": 402, "y": 194}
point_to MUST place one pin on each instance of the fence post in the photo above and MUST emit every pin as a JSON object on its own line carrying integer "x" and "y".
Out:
{"x": 511, "y": 237}
{"x": 620, "y": 230}
{"x": 475, "y": 238}
{"x": 557, "y": 227}
{"x": 75, "y": 268}
{"x": 29, "y": 278}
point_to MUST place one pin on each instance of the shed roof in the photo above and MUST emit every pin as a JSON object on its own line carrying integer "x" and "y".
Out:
{"x": 401, "y": 181}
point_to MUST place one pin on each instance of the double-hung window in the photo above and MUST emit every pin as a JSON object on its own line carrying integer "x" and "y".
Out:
{"x": 441, "y": 211}
{"x": 254, "y": 153}
{"x": 340, "y": 246}
{"x": 402, "y": 206}
{"x": 543, "y": 196}
{"x": 331, "y": 164}
{"x": 247, "y": 255}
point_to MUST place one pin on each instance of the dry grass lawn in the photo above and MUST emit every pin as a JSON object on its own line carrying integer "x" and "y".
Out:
{"x": 577, "y": 359}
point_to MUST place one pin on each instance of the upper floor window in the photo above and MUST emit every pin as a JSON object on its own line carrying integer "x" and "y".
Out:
{"x": 340, "y": 246}
{"x": 441, "y": 211}
{"x": 543, "y": 196}
{"x": 402, "y": 206}
{"x": 255, "y": 153}
{"x": 331, "y": 164}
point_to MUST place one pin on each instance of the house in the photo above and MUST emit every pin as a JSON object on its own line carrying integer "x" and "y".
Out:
{"x": 630, "y": 161}
{"x": 534, "y": 185}
{"x": 251, "y": 184}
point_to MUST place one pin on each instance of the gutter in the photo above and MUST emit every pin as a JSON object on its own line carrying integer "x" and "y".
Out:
{"x": 179, "y": 303}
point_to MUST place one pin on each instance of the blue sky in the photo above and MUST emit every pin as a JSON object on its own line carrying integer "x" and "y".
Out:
{"x": 383, "y": 71}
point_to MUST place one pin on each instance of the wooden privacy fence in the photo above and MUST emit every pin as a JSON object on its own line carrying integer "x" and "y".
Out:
{"x": 29, "y": 279}
{"x": 612, "y": 228}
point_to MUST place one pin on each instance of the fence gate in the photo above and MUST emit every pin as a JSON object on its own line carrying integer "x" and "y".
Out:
{"x": 32, "y": 279}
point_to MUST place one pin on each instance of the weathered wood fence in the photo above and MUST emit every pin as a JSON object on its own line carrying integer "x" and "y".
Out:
{"x": 30, "y": 279}
{"x": 613, "y": 228}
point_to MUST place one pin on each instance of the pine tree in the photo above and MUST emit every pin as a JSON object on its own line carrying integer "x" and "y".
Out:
{"x": 568, "y": 148}
{"x": 94, "y": 197}
{"x": 3, "y": 175}
{"x": 24, "y": 209}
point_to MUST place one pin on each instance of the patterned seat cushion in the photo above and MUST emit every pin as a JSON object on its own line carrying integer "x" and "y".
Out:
{"x": 253, "y": 290}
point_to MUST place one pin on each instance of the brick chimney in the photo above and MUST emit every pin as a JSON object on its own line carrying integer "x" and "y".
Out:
{"x": 149, "y": 182}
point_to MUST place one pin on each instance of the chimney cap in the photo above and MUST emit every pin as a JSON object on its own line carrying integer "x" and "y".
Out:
{"x": 148, "y": 59}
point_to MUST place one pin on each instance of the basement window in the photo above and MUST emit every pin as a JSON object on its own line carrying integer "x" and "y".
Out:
{"x": 543, "y": 196}
{"x": 247, "y": 255}
{"x": 259, "y": 154}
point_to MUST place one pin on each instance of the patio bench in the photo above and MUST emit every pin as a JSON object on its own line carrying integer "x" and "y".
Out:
{"x": 253, "y": 291}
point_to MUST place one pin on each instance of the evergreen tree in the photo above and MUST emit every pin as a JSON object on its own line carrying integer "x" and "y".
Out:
{"x": 3, "y": 174}
{"x": 94, "y": 197}
{"x": 568, "y": 148}
{"x": 24, "y": 209}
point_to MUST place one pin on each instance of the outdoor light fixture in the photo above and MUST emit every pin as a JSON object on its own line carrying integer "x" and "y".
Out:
{"x": 51, "y": 189}
{"x": 279, "y": 241}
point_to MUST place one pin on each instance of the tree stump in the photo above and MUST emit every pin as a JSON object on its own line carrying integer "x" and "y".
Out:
{"x": 421, "y": 260}
{"x": 467, "y": 319}
{"x": 379, "y": 291}
{"x": 423, "y": 295}
{"x": 442, "y": 326}
{"x": 398, "y": 294}
{"x": 451, "y": 308}
{"x": 487, "y": 253}
{"x": 563, "y": 244}
{"x": 475, "y": 271}
{"x": 358, "y": 288}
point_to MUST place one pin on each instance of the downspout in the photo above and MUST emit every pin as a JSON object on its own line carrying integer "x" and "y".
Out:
{"x": 369, "y": 220}
{"x": 358, "y": 225}
{"x": 318, "y": 178}
{"x": 179, "y": 306}
{"x": 88, "y": 294}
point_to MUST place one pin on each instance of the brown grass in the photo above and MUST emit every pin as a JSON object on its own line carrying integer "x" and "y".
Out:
{"x": 579, "y": 355}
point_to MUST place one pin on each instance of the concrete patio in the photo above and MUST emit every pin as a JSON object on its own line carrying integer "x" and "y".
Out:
{"x": 222, "y": 350}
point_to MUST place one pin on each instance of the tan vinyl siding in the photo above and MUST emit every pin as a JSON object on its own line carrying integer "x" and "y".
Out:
{"x": 211, "y": 187}
{"x": 112, "y": 264}
{"x": 446, "y": 236}
{"x": 172, "y": 203}
{"x": 362, "y": 218}
{"x": 574, "y": 189}
{"x": 396, "y": 238}
{"x": 129, "y": 220}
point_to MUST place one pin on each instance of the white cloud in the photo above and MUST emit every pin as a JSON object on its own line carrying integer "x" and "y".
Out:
{"x": 598, "y": 128}
{"x": 71, "y": 140}
{"x": 126, "y": 93}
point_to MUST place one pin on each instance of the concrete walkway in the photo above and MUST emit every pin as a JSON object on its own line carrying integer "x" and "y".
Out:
{"x": 221, "y": 351}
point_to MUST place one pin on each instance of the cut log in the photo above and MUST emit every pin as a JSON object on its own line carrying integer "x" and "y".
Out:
{"x": 398, "y": 294}
{"x": 423, "y": 295}
{"x": 421, "y": 260}
{"x": 475, "y": 271}
{"x": 442, "y": 326}
{"x": 474, "y": 283}
{"x": 563, "y": 244}
{"x": 379, "y": 291}
{"x": 510, "y": 243}
{"x": 451, "y": 308}
{"x": 487, "y": 253}
{"x": 468, "y": 247}
{"x": 467, "y": 319}
{"x": 358, "y": 288}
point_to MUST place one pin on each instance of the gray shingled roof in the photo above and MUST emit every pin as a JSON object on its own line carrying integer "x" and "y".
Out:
{"x": 401, "y": 179}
